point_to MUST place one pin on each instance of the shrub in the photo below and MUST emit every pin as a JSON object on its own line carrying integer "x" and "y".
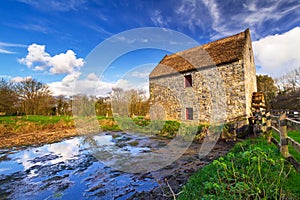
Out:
{"x": 170, "y": 129}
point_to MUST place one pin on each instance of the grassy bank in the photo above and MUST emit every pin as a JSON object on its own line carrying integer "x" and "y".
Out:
{"x": 34, "y": 130}
{"x": 25, "y": 124}
{"x": 253, "y": 169}
{"x": 31, "y": 130}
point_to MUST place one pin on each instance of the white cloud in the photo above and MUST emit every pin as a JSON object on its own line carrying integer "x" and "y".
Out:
{"x": 92, "y": 77}
{"x": 71, "y": 85}
{"x": 56, "y": 5}
{"x": 63, "y": 63}
{"x": 277, "y": 54}
{"x": 212, "y": 7}
{"x": 158, "y": 19}
{"x": 36, "y": 54}
{"x": 253, "y": 14}
{"x": 4, "y": 45}
{"x": 6, "y": 51}
{"x": 139, "y": 74}
{"x": 189, "y": 13}
{"x": 71, "y": 78}
{"x": 86, "y": 86}
{"x": 19, "y": 79}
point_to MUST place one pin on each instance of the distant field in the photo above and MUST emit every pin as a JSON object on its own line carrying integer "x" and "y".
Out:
{"x": 38, "y": 119}
{"x": 33, "y": 123}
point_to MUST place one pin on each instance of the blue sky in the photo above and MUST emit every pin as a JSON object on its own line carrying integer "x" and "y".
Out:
{"x": 51, "y": 40}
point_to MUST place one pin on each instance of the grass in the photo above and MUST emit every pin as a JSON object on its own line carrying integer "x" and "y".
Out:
{"x": 39, "y": 119}
{"x": 295, "y": 135}
{"x": 253, "y": 169}
{"x": 23, "y": 130}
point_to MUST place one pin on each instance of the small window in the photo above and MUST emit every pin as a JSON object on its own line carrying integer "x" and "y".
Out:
{"x": 189, "y": 113}
{"x": 188, "y": 81}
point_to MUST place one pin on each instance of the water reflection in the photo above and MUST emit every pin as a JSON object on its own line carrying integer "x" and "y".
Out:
{"x": 68, "y": 169}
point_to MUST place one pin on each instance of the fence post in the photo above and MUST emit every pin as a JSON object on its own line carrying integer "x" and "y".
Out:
{"x": 269, "y": 126}
{"x": 283, "y": 136}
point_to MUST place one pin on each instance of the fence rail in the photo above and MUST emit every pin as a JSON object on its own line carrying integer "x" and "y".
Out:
{"x": 280, "y": 124}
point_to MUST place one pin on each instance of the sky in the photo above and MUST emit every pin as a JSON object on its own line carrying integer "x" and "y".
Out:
{"x": 66, "y": 43}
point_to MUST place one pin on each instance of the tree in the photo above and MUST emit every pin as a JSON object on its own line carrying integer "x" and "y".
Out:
{"x": 289, "y": 91}
{"x": 119, "y": 102}
{"x": 103, "y": 106}
{"x": 63, "y": 106}
{"x": 287, "y": 101}
{"x": 83, "y": 105}
{"x": 8, "y": 98}
{"x": 35, "y": 97}
{"x": 266, "y": 85}
{"x": 289, "y": 82}
{"x": 138, "y": 103}
{"x": 129, "y": 102}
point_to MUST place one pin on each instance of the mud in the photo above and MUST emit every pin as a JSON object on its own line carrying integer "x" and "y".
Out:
{"x": 69, "y": 169}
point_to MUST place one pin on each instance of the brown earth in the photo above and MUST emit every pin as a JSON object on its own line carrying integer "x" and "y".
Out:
{"x": 10, "y": 139}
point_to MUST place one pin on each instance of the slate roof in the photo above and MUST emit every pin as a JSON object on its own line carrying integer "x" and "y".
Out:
{"x": 215, "y": 53}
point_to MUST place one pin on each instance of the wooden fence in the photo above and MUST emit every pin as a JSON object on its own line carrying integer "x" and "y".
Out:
{"x": 280, "y": 124}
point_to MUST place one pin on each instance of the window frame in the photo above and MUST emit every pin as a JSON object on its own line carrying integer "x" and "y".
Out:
{"x": 189, "y": 113}
{"x": 188, "y": 81}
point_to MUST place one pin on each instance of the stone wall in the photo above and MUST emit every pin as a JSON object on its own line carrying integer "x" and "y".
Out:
{"x": 218, "y": 93}
{"x": 250, "y": 74}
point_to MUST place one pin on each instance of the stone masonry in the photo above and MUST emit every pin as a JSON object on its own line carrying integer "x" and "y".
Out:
{"x": 222, "y": 78}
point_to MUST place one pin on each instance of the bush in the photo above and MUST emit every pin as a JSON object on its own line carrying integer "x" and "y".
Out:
{"x": 170, "y": 129}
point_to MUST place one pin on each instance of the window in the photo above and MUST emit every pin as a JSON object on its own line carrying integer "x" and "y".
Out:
{"x": 188, "y": 81}
{"x": 189, "y": 113}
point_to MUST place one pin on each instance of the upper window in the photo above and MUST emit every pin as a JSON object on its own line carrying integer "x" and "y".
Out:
{"x": 189, "y": 113}
{"x": 188, "y": 81}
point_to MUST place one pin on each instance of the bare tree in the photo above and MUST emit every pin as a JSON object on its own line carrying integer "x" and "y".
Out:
{"x": 289, "y": 82}
{"x": 130, "y": 102}
{"x": 8, "y": 98}
{"x": 63, "y": 105}
{"x": 289, "y": 93}
{"x": 35, "y": 97}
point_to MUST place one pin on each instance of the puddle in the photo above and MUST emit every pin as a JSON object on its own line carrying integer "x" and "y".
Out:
{"x": 69, "y": 169}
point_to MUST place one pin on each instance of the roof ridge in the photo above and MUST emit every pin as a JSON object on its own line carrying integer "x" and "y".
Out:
{"x": 226, "y": 38}
{"x": 223, "y": 50}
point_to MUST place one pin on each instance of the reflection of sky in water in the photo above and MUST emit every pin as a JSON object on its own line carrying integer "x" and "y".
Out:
{"x": 61, "y": 152}
{"x": 56, "y": 153}
{"x": 103, "y": 140}
{"x": 42, "y": 171}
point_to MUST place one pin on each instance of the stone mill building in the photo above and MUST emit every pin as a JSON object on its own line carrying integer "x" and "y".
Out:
{"x": 212, "y": 81}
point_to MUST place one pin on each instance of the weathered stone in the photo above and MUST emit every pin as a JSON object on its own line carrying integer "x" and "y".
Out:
{"x": 226, "y": 86}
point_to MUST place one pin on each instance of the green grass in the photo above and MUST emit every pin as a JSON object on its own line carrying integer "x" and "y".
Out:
{"x": 292, "y": 151}
{"x": 295, "y": 135}
{"x": 253, "y": 169}
{"x": 38, "y": 119}
{"x": 22, "y": 124}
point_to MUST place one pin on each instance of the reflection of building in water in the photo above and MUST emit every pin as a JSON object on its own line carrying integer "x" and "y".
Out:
{"x": 189, "y": 84}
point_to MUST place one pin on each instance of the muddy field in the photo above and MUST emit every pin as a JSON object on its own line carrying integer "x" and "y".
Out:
{"x": 71, "y": 169}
